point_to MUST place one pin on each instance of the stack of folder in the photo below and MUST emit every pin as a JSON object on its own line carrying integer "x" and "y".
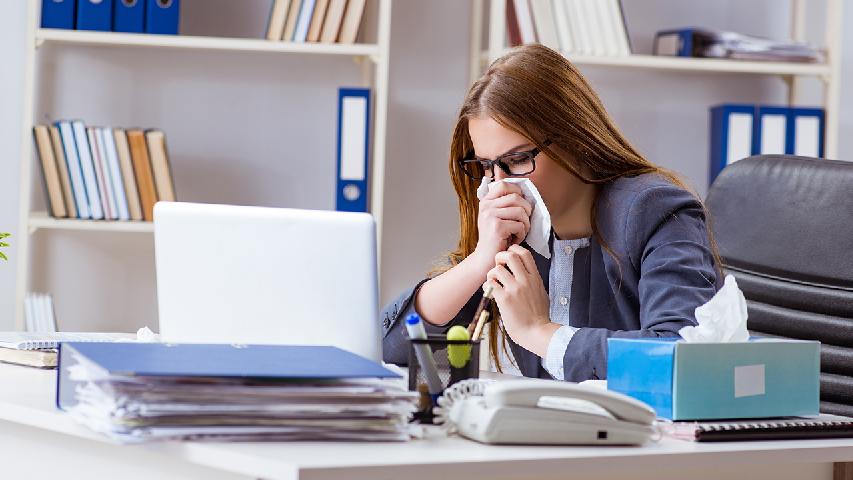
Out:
{"x": 145, "y": 392}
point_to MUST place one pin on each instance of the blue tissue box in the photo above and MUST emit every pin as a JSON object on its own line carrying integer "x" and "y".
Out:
{"x": 761, "y": 378}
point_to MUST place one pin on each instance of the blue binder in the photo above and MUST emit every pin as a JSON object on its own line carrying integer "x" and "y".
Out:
{"x": 57, "y": 14}
{"x": 772, "y": 131}
{"x": 677, "y": 43}
{"x": 162, "y": 16}
{"x": 129, "y": 16}
{"x": 272, "y": 362}
{"x": 733, "y": 136}
{"x": 807, "y": 131}
{"x": 353, "y": 146}
{"x": 94, "y": 15}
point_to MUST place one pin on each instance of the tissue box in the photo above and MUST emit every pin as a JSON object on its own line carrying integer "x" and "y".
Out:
{"x": 760, "y": 378}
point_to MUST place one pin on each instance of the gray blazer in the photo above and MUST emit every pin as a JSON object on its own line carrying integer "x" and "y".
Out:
{"x": 664, "y": 270}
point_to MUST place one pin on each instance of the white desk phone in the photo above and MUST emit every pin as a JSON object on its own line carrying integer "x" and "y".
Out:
{"x": 545, "y": 412}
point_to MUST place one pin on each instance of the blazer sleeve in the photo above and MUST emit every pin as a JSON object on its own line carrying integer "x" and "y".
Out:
{"x": 395, "y": 344}
{"x": 667, "y": 243}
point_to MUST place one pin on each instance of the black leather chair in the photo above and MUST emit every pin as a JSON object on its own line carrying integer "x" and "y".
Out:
{"x": 784, "y": 228}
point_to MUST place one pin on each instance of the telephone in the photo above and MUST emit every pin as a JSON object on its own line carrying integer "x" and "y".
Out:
{"x": 549, "y": 412}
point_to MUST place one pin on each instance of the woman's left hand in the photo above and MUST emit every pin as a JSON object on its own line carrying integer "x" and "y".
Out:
{"x": 522, "y": 299}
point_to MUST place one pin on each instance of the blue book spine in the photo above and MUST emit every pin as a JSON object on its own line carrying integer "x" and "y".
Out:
{"x": 57, "y": 14}
{"x": 732, "y": 136}
{"x": 677, "y": 43}
{"x": 353, "y": 147}
{"x": 129, "y": 16}
{"x": 94, "y": 15}
{"x": 162, "y": 16}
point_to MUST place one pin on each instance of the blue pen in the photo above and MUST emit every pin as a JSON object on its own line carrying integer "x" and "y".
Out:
{"x": 417, "y": 332}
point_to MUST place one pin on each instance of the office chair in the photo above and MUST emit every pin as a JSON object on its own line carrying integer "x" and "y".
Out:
{"x": 784, "y": 228}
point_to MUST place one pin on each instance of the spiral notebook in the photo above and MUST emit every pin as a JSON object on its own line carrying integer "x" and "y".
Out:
{"x": 822, "y": 426}
{"x": 51, "y": 340}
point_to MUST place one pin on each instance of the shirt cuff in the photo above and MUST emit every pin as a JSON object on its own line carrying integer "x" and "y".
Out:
{"x": 553, "y": 361}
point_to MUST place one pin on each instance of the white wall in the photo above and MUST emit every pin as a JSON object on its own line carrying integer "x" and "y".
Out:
{"x": 236, "y": 147}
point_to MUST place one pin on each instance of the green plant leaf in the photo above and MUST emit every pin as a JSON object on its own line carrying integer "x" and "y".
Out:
{"x": 4, "y": 244}
{"x": 3, "y": 256}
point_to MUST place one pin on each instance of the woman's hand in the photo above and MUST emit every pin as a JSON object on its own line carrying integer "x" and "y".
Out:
{"x": 503, "y": 220}
{"x": 522, "y": 299}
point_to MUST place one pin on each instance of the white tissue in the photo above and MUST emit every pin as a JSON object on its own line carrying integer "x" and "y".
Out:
{"x": 540, "y": 220}
{"x": 722, "y": 319}
{"x": 145, "y": 334}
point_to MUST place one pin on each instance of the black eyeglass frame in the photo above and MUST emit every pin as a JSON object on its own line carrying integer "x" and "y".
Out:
{"x": 499, "y": 161}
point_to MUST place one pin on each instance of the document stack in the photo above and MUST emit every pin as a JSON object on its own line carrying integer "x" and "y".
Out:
{"x": 697, "y": 42}
{"x": 145, "y": 392}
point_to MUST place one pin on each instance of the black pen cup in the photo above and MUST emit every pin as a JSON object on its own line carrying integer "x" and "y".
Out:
{"x": 455, "y": 360}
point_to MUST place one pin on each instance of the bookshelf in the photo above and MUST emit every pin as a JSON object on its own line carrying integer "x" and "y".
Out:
{"x": 369, "y": 59}
{"x": 492, "y": 22}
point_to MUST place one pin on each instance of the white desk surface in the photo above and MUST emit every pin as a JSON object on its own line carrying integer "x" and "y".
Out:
{"x": 27, "y": 398}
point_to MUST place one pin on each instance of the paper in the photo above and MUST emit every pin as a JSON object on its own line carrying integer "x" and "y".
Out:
{"x": 539, "y": 235}
{"x": 722, "y": 319}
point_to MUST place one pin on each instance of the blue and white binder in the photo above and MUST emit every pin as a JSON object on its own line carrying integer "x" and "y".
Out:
{"x": 772, "y": 131}
{"x": 162, "y": 16}
{"x": 95, "y": 15}
{"x": 75, "y": 172}
{"x": 87, "y": 166}
{"x": 129, "y": 16}
{"x": 57, "y": 14}
{"x": 353, "y": 149}
{"x": 732, "y": 136}
{"x": 806, "y": 131}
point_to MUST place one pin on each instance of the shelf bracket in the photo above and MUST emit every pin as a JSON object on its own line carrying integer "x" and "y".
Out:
{"x": 39, "y": 42}
{"x": 31, "y": 229}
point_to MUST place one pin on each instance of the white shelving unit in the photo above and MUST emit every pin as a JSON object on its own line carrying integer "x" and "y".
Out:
{"x": 373, "y": 58}
{"x": 828, "y": 72}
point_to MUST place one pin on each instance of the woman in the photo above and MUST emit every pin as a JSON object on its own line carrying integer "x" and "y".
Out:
{"x": 631, "y": 255}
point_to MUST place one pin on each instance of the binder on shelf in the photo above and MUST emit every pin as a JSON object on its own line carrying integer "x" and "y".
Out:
{"x": 95, "y": 15}
{"x": 50, "y": 172}
{"x": 807, "y": 134}
{"x": 75, "y": 170}
{"x": 105, "y": 137}
{"x": 162, "y": 16}
{"x": 62, "y": 166}
{"x": 304, "y": 21}
{"x": 101, "y": 175}
{"x": 57, "y": 14}
{"x": 772, "y": 132}
{"x": 129, "y": 16}
{"x": 677, "y": 43}
{"x": 353, "y": 149}
{"x": 731, "y": 136}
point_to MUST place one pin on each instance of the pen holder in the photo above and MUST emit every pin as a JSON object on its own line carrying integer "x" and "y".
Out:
{"x": 465, "y": 356}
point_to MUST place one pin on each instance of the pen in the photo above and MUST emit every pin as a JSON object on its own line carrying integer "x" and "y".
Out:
{"x": 415, "y": 327}
{"x": 483, "y": 316}
{"x": 482, "y": 307}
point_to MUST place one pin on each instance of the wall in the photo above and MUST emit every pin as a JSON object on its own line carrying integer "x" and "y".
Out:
{"x": 107, "y": 278}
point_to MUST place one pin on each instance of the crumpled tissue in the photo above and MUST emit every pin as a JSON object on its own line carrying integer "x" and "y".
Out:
{"x": 539, "y": 235}
{"x": 722, "y": 319}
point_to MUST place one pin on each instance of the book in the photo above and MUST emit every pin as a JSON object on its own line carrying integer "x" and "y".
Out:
{"x": 128, "y": 177}
{"x": 543, "y": 19}
{"x": 50, "y": 172}
{"x": 102, "y": 175}
{"x": 304, "y": 21}
{"x": 352, "y": 21}
{"x": 62, "y": 166}
{"x": 29, "y": 358}
{"x": 623, "y": 40}
{"x": 48, "y": 340}
{"x": 87, "y": 165}
{"x": 107, "y": 140}
{"x": 142, "y": 171}
{"x": 75, "y": 170}
{"x": 278, "y": 17}
{"x": 292, "y": 18}
{"x": 513, "y": 34}
{"x": 525, "y": 21}
{"x": 822, "y": 426}
{"x": 561, "y": 16}
{"x": 160, "y": 168}
{"x": 332, "y": 24}
{"x": 317, "y": 19}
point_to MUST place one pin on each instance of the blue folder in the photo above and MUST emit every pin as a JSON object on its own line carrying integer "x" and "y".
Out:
{"x": 57, "y": 14}
{"x": 94, "y": 15}
{"x": 162, "y": 16}
{"x": 353, "y": 149}
{"x": 129, "y": 16}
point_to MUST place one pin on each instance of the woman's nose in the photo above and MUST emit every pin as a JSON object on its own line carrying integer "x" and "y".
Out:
{"x": 498, "y": 173}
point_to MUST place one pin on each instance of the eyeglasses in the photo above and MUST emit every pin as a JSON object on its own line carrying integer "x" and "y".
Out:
{"x": 513, "y": 164}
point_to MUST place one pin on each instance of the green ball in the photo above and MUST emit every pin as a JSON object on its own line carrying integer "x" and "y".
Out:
{"x": 458, "y": 355}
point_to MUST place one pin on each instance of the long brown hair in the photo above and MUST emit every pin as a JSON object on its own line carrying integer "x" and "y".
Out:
{"x": 538, "y": 93}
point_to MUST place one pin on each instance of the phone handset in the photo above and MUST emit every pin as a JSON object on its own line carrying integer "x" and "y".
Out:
{"x": 526, "y": 393}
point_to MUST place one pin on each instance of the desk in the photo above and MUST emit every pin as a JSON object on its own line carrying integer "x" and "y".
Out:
{"x": 37, "y": 441}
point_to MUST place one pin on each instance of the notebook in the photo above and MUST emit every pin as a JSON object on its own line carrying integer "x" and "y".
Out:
{"x": 822, "y": 426}
{"x": 51, "y": 340}
{"x": 29, "y": 358}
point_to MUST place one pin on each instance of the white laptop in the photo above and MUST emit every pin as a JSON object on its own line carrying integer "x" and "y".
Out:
{"x": 255, "y": 275}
